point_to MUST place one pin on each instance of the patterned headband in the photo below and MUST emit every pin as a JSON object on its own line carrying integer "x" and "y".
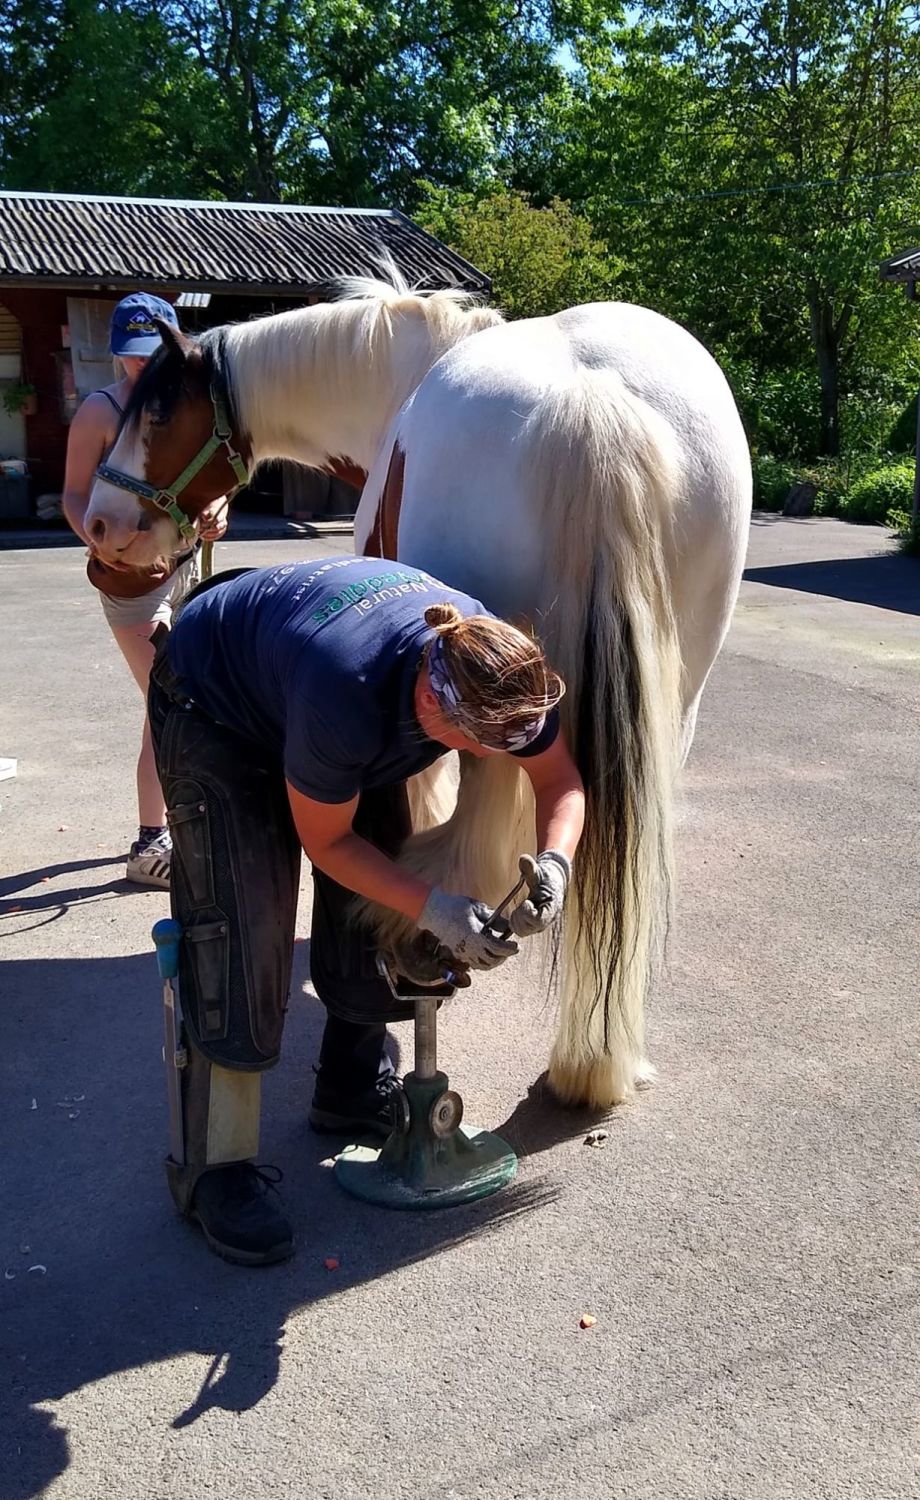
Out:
{"x": 503, "y": 737}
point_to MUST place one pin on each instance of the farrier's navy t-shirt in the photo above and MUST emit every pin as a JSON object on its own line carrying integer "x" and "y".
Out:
{"x": 317, "y": 661}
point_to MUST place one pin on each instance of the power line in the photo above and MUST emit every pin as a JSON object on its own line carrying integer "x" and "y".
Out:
{"x": 755, "y": 192}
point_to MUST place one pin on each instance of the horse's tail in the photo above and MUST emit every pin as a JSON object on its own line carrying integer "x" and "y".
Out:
{"x": 602, "y": 475}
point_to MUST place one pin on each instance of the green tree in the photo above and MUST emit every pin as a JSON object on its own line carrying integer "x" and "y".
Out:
{"x": 315, "y": 100}
{"x": 540, "y": 259}
{"x": 103, "y": 102}
{"x": 761, "y": 162}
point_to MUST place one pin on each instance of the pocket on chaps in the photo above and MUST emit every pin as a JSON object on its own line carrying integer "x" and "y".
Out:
{"x": 206, "y": 934}
{"x": 209, "y": 954}
{"x": 191, "y": 834}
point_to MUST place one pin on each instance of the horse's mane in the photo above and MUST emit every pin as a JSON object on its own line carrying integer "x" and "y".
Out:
{"x": 360, "y": 352}
{"x": 362, "y": 337}
{"x": 158, "y": 387}
{"x": 390, "y": 286}
{"x": 451, "y": 313}
{"x": 162, "y": 380}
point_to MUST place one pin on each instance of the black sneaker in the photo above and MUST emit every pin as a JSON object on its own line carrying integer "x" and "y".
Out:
{"x": 336, "y": 1113}
{"x": 237, "y": 1217}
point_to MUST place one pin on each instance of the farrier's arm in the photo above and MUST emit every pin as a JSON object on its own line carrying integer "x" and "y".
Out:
{"x": 560, "y": 798}
{"x": 329, "y": 841}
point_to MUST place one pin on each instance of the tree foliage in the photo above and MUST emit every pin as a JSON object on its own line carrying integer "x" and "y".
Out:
{"x": 741, "y": 165}
{"x": 774, "y": 142}
{"x": 342, "y": 101}
{"x": 540, "y": 259}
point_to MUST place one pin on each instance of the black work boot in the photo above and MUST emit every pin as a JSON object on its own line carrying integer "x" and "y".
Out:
{"x": 334, "y": 1112}
{"x": 238, "y": 1218}
{"x": 355, "y": 1080}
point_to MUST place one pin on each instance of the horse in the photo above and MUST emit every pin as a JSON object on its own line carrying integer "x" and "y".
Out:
{"x": 586, "y": 474}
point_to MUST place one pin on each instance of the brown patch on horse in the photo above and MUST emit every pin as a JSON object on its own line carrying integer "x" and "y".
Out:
{"x": 172, "y": 445}
{"x": 385, "y": 530}
{"x": 349, "y": 473}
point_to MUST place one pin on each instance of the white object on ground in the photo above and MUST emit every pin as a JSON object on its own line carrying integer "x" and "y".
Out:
{"x": 7, "y": 767}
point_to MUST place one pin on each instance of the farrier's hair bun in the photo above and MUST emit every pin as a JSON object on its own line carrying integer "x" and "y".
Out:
{"x": 444, "y": 617}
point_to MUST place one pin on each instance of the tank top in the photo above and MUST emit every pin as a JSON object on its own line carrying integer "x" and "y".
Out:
{"x": 112, "y": 582}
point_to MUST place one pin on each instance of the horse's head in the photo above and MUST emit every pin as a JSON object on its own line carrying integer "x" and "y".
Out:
{"x": 175, "y": 451}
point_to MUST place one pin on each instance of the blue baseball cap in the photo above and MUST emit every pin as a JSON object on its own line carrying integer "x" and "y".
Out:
{"x": 133, "y": 331}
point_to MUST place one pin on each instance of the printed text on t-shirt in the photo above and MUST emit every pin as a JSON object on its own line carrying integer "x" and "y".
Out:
{"x": 363, "y": 595}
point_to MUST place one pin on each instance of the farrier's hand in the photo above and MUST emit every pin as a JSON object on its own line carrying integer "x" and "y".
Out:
{"x": 546, "y": 898}
{"x": 460, "y": 924}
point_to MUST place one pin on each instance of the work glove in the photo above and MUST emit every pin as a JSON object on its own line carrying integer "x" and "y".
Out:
{"x": 459, "y": 924}
{"x": 546, "y": 897}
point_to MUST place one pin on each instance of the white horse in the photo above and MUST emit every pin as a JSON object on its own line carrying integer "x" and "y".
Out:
{"x": 587, "y": 473}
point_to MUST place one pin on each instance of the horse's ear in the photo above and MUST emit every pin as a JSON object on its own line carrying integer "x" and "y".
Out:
{"x": 174, "y": 340}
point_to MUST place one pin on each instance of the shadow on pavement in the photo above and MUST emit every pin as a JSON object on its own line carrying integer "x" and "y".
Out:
{"x": 23, "y": 879}
{"x": 127, "y": 1284}
{"x": 889, "y": 581}
{"x": 770, "y": 517}
{"x": 539, "y": 1122}
{"x": 55, "y": 903}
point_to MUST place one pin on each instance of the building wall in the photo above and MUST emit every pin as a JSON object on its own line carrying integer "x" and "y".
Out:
{"x": 12, "y": 424}
{"x": 41, "y": 314}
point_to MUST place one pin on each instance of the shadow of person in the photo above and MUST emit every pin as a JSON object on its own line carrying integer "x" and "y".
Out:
{"x": 54, "y": 903}
{"x": 24, "y": 879}
{"x": 100, "y": 1275}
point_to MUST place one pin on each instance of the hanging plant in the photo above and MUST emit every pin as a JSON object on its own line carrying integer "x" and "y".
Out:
{"x": 18, "y": 396}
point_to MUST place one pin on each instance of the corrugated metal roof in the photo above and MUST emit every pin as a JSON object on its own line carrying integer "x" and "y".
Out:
{"x": 131, "y": 242}
{"x": 905, "y": 266}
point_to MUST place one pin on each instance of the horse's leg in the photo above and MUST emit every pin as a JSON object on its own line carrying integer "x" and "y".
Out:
{"x": 475, "y": 852}
{"x": 433, "y": 794}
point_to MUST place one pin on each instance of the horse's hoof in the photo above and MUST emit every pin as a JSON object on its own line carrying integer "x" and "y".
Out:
{"x": 424, "y": 962}
{"x": 646, "y": 1075}
{"x": 598, "y": 1085}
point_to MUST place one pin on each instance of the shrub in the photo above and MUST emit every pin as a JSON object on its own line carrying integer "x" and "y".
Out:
{"x": 773, "y": 479}
{"x": 906, "y": 530}
{"x": 903, "y": 436}
{"x": 778, "y": 407}
{"x": 540, "y": 259}
{"x": 886, "y": 488}
{"x": 872, "y": 415}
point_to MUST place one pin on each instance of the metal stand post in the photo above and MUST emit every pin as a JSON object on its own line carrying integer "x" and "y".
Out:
{"x": 430, "y": 1160}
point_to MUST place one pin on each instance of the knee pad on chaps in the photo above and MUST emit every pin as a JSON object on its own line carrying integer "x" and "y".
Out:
{"x": 219, "y": 1123}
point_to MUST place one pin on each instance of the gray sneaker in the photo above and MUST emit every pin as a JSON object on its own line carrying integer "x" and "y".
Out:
{"x": 148, "y": 864}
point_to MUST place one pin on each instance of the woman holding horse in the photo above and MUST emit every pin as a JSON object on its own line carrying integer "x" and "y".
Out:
{"x": 289, "y": 706}
{"x": 134, "y": 601}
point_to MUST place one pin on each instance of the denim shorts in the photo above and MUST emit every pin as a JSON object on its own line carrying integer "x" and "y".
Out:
{"x": 155, "y": 608}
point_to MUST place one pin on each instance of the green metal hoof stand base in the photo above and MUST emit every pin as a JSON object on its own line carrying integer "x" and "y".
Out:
{"x": 419, "y": 1168}
{"x": 431, "y": 1160}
